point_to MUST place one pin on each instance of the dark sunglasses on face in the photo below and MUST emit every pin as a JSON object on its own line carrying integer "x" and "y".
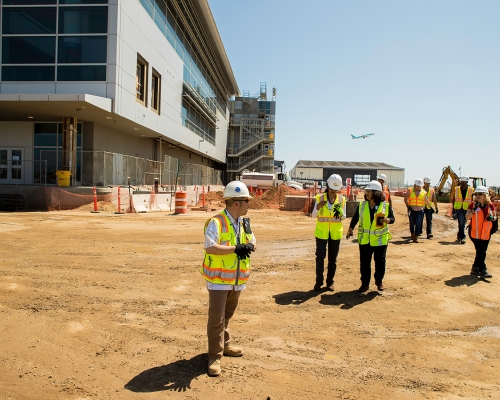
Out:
{"x": 479, "y": 194}
{"x": 243, "y": 201}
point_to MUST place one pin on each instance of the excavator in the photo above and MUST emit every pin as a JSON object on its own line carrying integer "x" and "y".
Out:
{"x": 455, "y": 181}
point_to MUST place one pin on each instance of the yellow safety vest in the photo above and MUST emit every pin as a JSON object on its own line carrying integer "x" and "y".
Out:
{"x": 368, "y": 232}
{"x": 417, "y": 201}
{"x": 430, "y": 195}
{"x": 226, "y": 269}
{"x": 326, "y": 224}
{"x": 462, "y": 203}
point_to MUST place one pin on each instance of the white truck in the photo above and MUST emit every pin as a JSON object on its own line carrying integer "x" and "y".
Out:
{"x": 267, "y": 181}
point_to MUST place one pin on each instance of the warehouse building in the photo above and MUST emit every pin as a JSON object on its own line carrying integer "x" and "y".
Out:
{"x": 106, "y": 89}
{"x": 360, "y": 173}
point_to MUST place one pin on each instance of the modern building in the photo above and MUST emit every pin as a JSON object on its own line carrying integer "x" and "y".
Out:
{"x": 360, "y": 173}
{"x": 131, "y": 79}
{"x": 251, "y": 133}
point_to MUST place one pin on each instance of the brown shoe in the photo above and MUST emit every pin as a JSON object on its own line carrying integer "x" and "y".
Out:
{"x": 214, "y": 367}
{"x": 331, "y": 288}
{"x": 380, "y": 286}
{"x": 415, "y": 238}
{"x": 233, "y": 351}
{"x": 363, "y": 288}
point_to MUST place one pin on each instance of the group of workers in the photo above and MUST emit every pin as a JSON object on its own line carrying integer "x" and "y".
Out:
{"x": 229, "y": 242}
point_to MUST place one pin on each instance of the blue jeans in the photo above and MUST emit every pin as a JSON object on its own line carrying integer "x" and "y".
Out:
{"x": 428, "y": 222}
{"x": 461, "y": 223}
{"x": 416, "y": 219}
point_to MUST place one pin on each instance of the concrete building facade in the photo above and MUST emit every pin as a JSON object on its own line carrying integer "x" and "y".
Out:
{"x": 139, "y": 78}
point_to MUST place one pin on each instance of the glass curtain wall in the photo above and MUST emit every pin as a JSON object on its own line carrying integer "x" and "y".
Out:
{"x": 50, "y": 40}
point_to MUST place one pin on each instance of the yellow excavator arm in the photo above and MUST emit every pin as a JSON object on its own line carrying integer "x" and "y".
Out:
{"x": 447, "y": 173}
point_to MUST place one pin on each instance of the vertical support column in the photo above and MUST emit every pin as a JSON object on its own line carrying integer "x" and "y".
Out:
{"x": 69, "y": 146}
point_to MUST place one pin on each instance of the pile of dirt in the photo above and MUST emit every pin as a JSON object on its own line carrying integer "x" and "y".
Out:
{"x": 274, "y": 198}
{"x": 104, "y": 206}
{"x": 212, "y": 199}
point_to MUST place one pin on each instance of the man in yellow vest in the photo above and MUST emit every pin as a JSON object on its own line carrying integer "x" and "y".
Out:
{"x": 329, "y": 211}
{"x": 461, "y": 197}
{"x": 229, "y": 240}
{"x": 373, "y": 215}
{"x": 416, "y": 200}
{"x": 428, "y": 210}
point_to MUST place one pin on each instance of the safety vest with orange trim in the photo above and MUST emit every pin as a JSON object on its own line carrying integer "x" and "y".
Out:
{"x": 462, "y": 203}
{"x": 328, "y": 225}
{"x": 480, "y": 228}
{"x": 416, "y": 201}
{"x": 430, "y": 196}
{"x": 226, "y": 269}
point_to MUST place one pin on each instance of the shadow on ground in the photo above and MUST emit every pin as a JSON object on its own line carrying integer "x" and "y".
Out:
{"x": 295, "y": 297}
{"x": 347, "y": 300}
{"x": 176, "y": 376}
{"x": 468, "y": 280}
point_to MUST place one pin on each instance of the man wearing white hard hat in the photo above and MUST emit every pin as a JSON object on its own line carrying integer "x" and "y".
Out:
{"x": 382, "y": 178}
{"x": 431, "y": 196}
{"x": 482, "y": 215}
{"x": 329, "y": 211}
{"x": 373, "y": 215}
{"x": 416, "y": 199}
{"x": 229, "y": 240}
{"x": 461, "y": 198}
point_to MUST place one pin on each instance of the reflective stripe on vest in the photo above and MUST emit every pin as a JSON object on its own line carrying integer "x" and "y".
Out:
{"x": 224, "y": 269}
{"x": 326, "y": 224}
{"x": 368, "y": 233}
{"x": 415, "y": 201}
{"x": 480, "y": 227}
{"x": 462, "y": 203}
{"x": 430, "y": 195}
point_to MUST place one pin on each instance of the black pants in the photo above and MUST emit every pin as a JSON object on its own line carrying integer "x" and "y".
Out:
{"x": 481, "y": 247}
{"x": 333, "y": 252}
{"x": 365, "y": 259}
{"x": 428, "y": 222}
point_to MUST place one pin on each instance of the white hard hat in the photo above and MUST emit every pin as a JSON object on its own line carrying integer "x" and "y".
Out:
{"x": 236, "y": 190}
{"x": 464, "y": 178}
{"x": 481, "y": 189}
{"x": 419, "y": 182}
{"x": 334, "y": 182}
{"x": 427, "y": 179}
{"x": 382, "y": 177}
{"x": 374, "y": 185}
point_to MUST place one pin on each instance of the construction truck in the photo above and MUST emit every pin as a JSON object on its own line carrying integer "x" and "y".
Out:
{"x": 267, "y": 181}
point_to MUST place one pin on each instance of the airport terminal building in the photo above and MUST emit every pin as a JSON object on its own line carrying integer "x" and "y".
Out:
{"x": 119, "y": 84}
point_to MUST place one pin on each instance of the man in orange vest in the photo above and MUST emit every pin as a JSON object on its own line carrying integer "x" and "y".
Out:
{"x": 416, "y": 200}
{"x": 382, "y": 178}
{"x": 229, "y": 241}
{"x": 461, "y": 198}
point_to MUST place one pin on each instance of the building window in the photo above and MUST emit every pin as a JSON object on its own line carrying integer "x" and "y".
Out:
{"x": 82, "y": 49}
{"x": 155, "y": 91}
{"x": 141, "y": 80}
{"x": 83, "y": 19}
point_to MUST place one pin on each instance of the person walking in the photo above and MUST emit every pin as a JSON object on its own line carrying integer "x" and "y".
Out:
{"x": 329, "y": 211}
{"x": 481, "y": 214}
{"x": 416, "y": 200}
{"x": 461, "y": 199}
{"x": 382, "y": 178}
{"x": 373, "y": 215}
{"x": 431, "y": 196}
{"x": 229, "y": 240}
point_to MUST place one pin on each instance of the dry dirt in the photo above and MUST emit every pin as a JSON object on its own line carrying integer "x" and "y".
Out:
{"x": 105, "y": 306}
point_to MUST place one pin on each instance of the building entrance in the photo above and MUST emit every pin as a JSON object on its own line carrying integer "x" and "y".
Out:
{"x": 11, "y": 165}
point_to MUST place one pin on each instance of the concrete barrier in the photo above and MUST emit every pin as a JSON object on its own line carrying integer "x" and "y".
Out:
{"x": 295, "y": 203}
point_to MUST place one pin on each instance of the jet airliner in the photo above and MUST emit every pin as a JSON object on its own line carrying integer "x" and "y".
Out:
{"x": 362, "y": 136}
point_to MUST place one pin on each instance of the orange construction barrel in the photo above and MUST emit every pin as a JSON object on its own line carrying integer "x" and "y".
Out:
{"x": 180, "y": 203}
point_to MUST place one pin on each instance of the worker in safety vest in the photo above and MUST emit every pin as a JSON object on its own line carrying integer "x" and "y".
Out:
{"x": 373, "y": 215}
{"x": 329, "y": 211}
{"x": 382, "y": 178}
{"x": 461, "y": 199}
{"x": 428, "y": 210}
{"x": 481, "y": 214}
{"x": 229, "y": 240}
{"x": 416, "y": 200}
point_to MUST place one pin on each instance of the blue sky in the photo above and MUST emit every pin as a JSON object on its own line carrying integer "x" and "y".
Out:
{"x": 424, "y": 76}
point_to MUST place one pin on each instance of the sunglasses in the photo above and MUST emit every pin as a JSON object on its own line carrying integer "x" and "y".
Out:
{"x": 243, "y": 201}
{"x": 479, "y": 194}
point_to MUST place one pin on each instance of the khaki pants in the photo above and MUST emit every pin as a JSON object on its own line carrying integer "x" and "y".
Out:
{"x": 221, "y": 307}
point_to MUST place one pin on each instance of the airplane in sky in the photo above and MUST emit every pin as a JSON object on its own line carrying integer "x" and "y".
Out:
{"x": 362, "y": 136}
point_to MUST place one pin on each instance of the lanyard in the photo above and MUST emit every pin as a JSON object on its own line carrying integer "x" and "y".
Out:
{"x": 236, "y": 227}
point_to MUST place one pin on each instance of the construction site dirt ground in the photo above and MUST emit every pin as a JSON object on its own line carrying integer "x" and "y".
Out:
{"x": 98, "y": 306}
